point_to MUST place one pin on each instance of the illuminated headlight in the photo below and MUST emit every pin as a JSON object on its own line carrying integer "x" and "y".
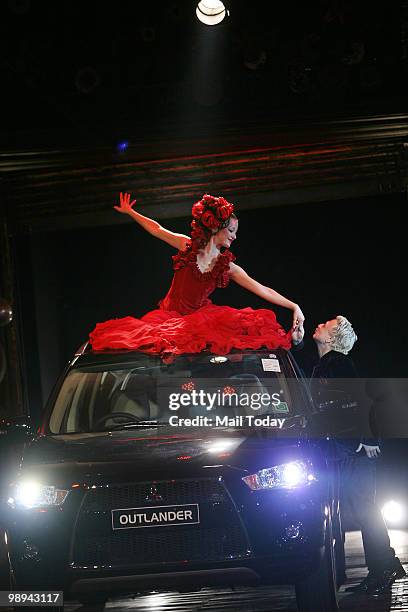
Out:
{"x": 393, "y": 512}
{"x": 31, "y": 494}
{"x": 283, "y": 476}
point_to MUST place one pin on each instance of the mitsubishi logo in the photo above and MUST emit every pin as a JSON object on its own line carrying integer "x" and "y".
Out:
{"x": 153, "y": 495}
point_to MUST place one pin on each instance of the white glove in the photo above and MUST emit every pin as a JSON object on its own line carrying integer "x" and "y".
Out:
{"x": 371, "y": 451}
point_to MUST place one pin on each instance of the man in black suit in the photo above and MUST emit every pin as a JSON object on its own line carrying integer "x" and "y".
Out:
{"x": 355, "y": 456}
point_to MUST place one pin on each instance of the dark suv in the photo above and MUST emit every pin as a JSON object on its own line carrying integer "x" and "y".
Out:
{"x": 127, "y": 488}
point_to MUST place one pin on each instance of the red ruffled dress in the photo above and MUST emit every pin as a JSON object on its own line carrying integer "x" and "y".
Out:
{"x": 188, "y": 322}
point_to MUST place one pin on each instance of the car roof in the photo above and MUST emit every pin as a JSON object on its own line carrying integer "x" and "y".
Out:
{"x": 86, "y": 356}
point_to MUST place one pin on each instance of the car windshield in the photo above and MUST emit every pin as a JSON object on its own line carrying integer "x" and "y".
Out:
{"x": 145, "y": 391}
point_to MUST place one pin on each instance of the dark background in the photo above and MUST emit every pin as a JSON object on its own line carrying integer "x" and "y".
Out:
{"x": 92, "y": 68}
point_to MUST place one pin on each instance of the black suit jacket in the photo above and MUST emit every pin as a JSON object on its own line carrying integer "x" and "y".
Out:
{"x": 343, "y": 409}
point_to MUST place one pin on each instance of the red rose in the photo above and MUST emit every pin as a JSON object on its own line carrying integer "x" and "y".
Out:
{"x": 197, "y": 210}
{"x": 224, "y": 211}
{"x": 208, "y": 199}
{"x": 209, "y": 220}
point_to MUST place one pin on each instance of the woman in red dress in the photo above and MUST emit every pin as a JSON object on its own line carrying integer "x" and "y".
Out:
{"x": 186, "y": 320}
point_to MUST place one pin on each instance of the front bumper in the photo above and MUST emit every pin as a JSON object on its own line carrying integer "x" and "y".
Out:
{"x": 266, "y": 537}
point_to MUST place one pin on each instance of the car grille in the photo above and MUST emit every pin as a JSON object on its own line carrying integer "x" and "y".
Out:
{"x": 218, "y": 537}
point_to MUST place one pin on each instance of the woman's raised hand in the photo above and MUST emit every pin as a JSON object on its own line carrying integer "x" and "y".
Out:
{"x": 125, "y": 204}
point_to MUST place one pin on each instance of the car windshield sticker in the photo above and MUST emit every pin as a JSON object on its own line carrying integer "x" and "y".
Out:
{"x": 281, "y": 407}
{"x": 271, "y": 365}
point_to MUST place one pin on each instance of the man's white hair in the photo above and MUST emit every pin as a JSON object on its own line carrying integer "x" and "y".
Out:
{"x": 343, "y": 336}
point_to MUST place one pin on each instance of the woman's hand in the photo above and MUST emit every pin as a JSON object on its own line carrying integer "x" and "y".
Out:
{"x": 126, "y": 206}
{"x": 298, "y": 317}
{"x": 179, "y": 241}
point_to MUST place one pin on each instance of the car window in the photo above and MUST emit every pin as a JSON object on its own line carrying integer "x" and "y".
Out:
{"x": 96, "y": 397}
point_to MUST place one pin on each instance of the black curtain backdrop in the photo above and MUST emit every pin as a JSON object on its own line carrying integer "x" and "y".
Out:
{"x": 344, "y": 257}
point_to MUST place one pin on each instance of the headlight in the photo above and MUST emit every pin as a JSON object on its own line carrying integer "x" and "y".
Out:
{"x": 31, "y": 494}
{"x": 283, "y": 476}
{"x": 393, "y": 512}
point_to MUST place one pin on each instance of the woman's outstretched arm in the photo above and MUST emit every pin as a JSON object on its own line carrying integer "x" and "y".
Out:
{"x": 270, "y": 295}
{"x": 178, "y": 241}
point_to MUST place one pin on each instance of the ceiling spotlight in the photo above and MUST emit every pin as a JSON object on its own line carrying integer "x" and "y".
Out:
{"x": 211, "y": 12}
{"x": 122, "y": 146}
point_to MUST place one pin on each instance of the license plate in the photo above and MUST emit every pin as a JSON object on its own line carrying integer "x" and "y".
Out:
{"x": 155, "y": 516}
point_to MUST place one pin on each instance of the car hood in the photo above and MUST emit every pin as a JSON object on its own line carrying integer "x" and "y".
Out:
{"x": 155, "y": 452}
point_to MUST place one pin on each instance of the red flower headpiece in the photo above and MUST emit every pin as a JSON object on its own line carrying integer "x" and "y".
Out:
{"x": 210, "y": 214}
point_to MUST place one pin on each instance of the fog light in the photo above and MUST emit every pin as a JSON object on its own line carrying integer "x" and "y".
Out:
{"x": 393, "y": 512}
